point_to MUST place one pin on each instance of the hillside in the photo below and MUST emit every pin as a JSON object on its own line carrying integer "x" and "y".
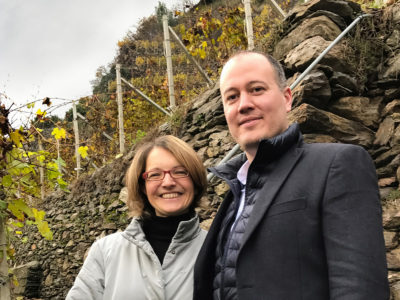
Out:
{"x": 351, "y": 96}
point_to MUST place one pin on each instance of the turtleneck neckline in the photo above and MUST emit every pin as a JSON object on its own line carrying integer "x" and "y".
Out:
{"x": 159, "y": 231}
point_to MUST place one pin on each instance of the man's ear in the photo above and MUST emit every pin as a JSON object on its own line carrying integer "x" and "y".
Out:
{"x": 287, "y": 93}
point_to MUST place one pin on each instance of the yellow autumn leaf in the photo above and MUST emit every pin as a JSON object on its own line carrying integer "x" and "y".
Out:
{"x": 44, "y": 230}
{"x": 204, "y": 44}
{"x": 18, "y": 207}
{"x": 41, "y": 113}
{"x": 16, "y": 283}
{"x": 83, "y": 151}
{"x": 202, "y": 53}
{"x": 139, "y": 61}
{"x": 58, "y": 133}
{"x": 38, "y": 214}
{"x": 17, "y": 138}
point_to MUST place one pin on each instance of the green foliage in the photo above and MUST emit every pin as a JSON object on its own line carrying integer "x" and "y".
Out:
{"x": 20, "y": 186}
{"x": 140, "y": 134}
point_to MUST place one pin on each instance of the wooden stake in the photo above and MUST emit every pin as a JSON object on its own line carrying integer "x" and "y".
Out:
{"x": 76, "y": 133}
{"x": 120, "y": 111}
{"x": 168, "y": 57}
{"x": 4, "y": 279}
{"x": 41, "y": 171}
{"x": 191, "y": 58}
{"x": 249, "y": 24}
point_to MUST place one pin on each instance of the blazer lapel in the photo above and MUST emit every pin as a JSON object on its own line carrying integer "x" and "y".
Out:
{"x": 275, "y": 179}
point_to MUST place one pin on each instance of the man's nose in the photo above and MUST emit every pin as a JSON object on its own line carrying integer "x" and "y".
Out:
{"x": 245, "y": 102}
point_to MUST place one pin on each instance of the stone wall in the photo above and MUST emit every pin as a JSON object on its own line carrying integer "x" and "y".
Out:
{"x": 334, "y": 103}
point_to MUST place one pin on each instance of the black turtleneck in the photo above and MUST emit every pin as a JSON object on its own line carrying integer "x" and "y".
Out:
{"x": 159, "y": 231}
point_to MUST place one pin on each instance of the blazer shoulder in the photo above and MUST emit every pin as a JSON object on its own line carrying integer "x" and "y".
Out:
{"x": 335, "y": 151}
{"x": 332, "y": 147}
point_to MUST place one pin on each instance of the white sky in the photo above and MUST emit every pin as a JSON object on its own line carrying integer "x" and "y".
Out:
{"x": 52, "y": 48}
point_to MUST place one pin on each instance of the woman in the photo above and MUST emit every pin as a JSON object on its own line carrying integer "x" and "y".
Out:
{"x": 154, "y": 257}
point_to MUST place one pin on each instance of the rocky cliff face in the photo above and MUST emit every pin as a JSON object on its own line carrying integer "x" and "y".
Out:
{"x": 352, "y": 96}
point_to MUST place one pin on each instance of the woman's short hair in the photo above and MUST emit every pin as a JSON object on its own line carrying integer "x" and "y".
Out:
{"x": 137, "y": 201}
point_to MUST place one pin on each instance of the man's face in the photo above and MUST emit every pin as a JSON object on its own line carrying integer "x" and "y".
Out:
{"x": 254, "y": 105}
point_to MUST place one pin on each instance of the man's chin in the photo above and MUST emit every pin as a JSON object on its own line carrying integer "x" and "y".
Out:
{"x": 250, "y": 146}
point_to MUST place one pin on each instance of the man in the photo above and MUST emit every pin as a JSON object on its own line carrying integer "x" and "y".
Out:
{"x": 301, "y": 221}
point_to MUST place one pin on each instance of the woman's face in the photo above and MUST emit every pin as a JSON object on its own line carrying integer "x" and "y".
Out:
{"x": 169, "y": 196}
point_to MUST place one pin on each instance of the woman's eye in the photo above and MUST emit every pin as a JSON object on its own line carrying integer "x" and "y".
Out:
{"x": 180, "y": 171}
{"x": 153, "y": 174}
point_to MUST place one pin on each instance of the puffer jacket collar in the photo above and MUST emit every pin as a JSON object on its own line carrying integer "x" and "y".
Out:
{"x": 268, "y": 150}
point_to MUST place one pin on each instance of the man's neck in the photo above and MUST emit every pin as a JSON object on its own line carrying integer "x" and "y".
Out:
{"x": 251, "y": 152}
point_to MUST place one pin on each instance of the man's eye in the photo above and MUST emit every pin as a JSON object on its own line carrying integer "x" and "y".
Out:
{"x": 231, "y": 97}
{"x": 257, "y": 89}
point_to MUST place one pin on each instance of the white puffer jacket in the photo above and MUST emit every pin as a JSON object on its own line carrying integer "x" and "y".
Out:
{"x": 123, "y": 266}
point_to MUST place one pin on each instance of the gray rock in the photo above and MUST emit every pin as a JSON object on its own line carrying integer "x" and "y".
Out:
{"x": 391, "y": 239}
{"x": 317, "y": 26}
{"x": 392, "y": 107}
{"x": 343, "y": 85}
{"x": 347, "y": 10}
{"x": 313, "y": 120}
{"x": 306, "y": 52}
{"x": 361, "y": 109}
{"x": 393, "y": 40}
{"x": 385, "y": 132}
{"x": 393, "y": 67}
{"x": 314, "y": 89}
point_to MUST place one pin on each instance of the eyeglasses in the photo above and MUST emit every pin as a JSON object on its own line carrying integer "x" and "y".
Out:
{"x": 154, "y": 175}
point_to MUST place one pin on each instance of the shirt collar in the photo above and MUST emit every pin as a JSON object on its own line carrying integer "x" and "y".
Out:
{"x": 242, "y": 173}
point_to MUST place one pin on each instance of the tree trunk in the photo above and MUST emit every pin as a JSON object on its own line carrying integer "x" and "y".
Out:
{"x": 4, "y": 279}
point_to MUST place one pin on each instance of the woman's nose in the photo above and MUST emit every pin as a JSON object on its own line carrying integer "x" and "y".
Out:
{"x": 168, "y": 180}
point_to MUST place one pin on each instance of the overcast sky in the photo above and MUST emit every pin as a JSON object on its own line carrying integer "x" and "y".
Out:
{"x": 52, "y": 48}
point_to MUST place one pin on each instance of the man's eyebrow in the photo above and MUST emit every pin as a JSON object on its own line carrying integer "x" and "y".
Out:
{"x": 255, "y": 82}
{"x": 229, "y": 90}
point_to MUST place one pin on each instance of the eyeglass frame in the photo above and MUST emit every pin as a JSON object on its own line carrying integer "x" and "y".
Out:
{"x": 145, "y": 178}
